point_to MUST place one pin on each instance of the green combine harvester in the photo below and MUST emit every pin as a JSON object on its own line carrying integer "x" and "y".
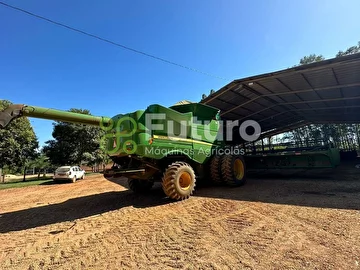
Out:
{"x": 175, "y": 145}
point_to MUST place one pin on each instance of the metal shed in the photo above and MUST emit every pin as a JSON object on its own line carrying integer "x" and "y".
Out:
{"x": 321, "y": 92}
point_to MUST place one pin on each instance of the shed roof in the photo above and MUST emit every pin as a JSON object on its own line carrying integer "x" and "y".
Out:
{"x": 321, "y": 92}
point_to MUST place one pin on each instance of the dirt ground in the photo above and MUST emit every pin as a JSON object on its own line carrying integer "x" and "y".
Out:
{"x": 298, "y": 221}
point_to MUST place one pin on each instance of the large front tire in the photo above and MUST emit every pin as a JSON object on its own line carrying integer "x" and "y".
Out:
{"x": 233, "y": 170}
{"x": 179, "y": 181}
{"x": 140, "y": 186}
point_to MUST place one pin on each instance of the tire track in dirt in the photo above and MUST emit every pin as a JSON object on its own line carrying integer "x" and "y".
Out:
{"x": 301, "y": 242}
{"x": 199, "y": 233}
{"x": 177, "y": 231}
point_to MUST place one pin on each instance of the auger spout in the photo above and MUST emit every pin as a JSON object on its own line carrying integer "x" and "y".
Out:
{"x": 18, "y": 110}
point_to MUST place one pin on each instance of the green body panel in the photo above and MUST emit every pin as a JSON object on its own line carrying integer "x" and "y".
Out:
{"x": 200, "y": 111}
{"x": 334, "y": 155}
{"x": 173, "y": 132}
{"x": 301, "y": 160}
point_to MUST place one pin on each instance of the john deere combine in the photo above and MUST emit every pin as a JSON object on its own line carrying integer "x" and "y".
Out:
{"x": 174, "y": 145}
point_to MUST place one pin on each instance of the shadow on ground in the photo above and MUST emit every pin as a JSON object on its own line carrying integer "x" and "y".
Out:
{"x": 77, "y": 208}
{"x": 339, "y": 190}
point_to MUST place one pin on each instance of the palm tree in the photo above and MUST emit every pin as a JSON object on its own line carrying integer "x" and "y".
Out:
{"x": 41, "y": 163}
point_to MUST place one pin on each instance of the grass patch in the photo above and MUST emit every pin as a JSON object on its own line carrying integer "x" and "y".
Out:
{"x": 25, "y": 184}
{"x": 28, "y": 178}
{"x": 17, "y": 182}
{"x": 93, "y": 173}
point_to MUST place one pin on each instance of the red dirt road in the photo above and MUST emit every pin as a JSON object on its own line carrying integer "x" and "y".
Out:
{"x": 270, "y": 223}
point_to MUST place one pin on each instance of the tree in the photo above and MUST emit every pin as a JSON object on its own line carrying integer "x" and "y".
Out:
{"x": 350, "y": 50}
{"x": 73, "y": 143}
{"x": 311, "y": 59}
{"x": 99, "y": 157}
{"x": 18, "y": 142}
{"x": 41, "y": 163}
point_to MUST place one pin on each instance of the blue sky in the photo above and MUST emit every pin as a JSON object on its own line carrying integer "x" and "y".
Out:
{"x": 46, "y": 65}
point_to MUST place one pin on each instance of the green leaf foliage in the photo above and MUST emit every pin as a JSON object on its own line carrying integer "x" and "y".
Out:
{"x": 74, "y": 144}
{"x": 18, "y": 142}
{"x": 311, "y": 59}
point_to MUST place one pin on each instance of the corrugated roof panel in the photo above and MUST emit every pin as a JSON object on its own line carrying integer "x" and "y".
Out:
{"x": 265, "y": 102}
{"x": 350, "y": 118}
{"x": 276, "y": 99}
{"x": 335, "y": 103}
{"x": 309, "y": 96}
{"x": 351, "y": 91}
{"x": 274, "y": 111}
{"x": 291, "y": 98}
{"x": 260, "y": 89}
{"x": 231, "y": 97}
{"x": 348, "y": 74}
{"x": 331, "y": 93}
{"x": 354, "y": 110}
{"x": 231, "y": 115}
{"x": 321, "y": 78}
{"x": 295, "y": 82}
{"x": 255, "y": 107}
{"x": 251, "y": 95}
{"x": 274, "y": 85}
{"x": 302, "y": 106}
{"x": 220, "y": 105}
{"x": 243, "y": 111}
{"x": 243, "y": 92}
{"x": 279, "y": 117}
{"x": 352, "y": 102}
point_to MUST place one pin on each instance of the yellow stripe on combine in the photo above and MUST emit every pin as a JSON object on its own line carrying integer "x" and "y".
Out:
{"x": 168, "y": 138}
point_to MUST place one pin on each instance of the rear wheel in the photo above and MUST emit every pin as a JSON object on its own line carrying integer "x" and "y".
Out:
{"x": 233, "y": 170}
{"x": 179, "y": 181}
{"x": 215, "y": 169}
{"x": 140, "y": 186}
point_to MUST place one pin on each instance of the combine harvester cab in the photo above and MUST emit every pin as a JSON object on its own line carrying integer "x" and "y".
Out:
{"x": 175, "y": 145}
